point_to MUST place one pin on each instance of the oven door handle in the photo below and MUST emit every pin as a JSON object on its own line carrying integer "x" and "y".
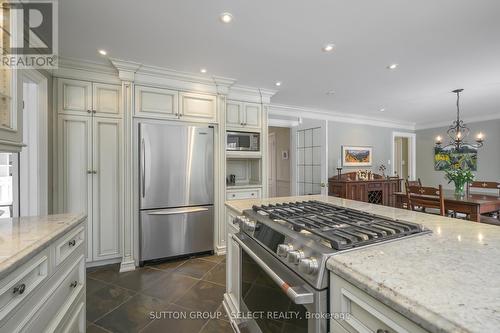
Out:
{"x": 298, "y": 294}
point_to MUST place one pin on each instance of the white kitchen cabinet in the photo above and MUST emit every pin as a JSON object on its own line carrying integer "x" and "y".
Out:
{"x": 156, "y": 102}
{"x": 364, "y": 313}
{"x": 90, "y": 168}
{"x": 194, "y": 106}
{"x": 107, "y": 188}
{"x": 243, "y": 116}
{"x": 54, "y": 295}
{"x": 106, "y": 99}
{"x": 232, "y": 266}
{"x": 74, "y": 96}
{"x": 74, "y": 164}
{"x": 234, "y": 114}
{"x": 77, "y": 97}
{"x": 11, "y": 110}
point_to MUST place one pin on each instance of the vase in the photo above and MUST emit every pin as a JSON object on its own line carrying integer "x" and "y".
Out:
{"x": 459, "y": 189}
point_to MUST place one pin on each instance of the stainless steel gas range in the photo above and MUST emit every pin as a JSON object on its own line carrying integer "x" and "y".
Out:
{"x": 282, "y": 253}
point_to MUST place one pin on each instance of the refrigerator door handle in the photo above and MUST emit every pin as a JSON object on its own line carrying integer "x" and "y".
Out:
{"x": 143, "y": 168}
{"x": 178, "y": 211}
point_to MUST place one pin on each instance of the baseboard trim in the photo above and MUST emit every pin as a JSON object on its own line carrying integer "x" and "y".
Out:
{"x": 90, "y": 264}
{"x": 127, "y": 266}
{"x": 220, "y": 250}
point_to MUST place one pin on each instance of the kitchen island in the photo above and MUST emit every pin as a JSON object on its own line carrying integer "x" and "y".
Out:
{"x": 446, "y": 281}
{"x": 42, "y": 273}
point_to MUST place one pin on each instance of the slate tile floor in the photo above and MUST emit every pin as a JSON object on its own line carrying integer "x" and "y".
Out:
{"x": 123, "y": 302}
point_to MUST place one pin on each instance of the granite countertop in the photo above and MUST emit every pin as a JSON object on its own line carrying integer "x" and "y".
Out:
{"x": 22, "y": 238}
{"x": 447, "y": 281}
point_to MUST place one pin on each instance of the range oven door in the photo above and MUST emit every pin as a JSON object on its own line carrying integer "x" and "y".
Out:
{"x": 273, "y": 298}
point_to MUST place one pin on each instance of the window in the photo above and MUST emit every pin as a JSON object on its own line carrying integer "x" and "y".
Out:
{"x": 9, "y": 185}
{"x": 309, "y": 161}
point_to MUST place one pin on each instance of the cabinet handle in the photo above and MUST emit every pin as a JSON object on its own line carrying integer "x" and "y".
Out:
{"x": 19, "y": 289}
{"x": 73, "y": 284}
{"x": 382, "y": 331}
{"x": 72, "y": 243}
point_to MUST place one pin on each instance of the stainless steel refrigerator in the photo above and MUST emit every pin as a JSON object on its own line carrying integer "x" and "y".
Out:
{"x": 176, "y": 190}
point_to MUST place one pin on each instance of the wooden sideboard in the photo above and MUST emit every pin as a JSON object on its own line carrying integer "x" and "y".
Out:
{"x": 379, "y": 190}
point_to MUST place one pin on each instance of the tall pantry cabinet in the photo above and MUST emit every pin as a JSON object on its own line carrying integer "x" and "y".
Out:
{"x": 89, "y": 154}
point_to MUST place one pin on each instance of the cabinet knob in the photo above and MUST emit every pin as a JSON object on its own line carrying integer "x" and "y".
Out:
{"x": 19, "y": 289}
{"x": 89, "y": 172}
{"x": 89, "y": 111}
{"x": 72, "y": 243}
{"x": 73, "y": 284}
{"x": 234, "y": 195}
{"x": 94, "y": 111}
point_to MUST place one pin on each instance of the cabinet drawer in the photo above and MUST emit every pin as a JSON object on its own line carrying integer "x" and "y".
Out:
{"x": 54, "y": 310}
{"x": 75, "y": 321}
{"x": 365, "y": 313}
{"x": 23, "y": 282}
{"x": 68, "y": 244}
{"x": 243, "y": 194}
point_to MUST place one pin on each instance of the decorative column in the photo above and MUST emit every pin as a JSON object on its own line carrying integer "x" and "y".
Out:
{"x": 126, "y": 73}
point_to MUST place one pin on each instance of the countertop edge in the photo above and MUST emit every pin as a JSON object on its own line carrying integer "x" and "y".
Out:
{"x": 32, "y": 250}
{"x": 414, "y": 311}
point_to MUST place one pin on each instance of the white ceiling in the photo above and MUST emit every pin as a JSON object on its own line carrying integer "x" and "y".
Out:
{"x": 440, "y": 45}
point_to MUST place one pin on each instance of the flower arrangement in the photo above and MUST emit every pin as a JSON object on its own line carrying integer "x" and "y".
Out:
{"x": 459, "y": 176}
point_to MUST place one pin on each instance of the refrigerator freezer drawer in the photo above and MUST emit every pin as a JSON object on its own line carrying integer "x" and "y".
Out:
{"x": 176, "y": 231}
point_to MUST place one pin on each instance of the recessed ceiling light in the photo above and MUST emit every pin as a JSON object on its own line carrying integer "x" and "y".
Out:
{"x": 328, "y": 47}
{"x": 382, "y": 110}
{"x": 103, "y": 52}
{"x": 203, "y": 70}
{"x": 278, "y": 83}
{"x": 226, "y": 17}
{"x": 392, "y": 66}
{"x": 331, "y": 92}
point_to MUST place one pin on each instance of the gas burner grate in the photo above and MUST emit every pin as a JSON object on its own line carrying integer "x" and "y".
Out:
{"x": 343, "y": 228}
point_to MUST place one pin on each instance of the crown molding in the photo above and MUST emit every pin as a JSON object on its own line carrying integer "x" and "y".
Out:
{"x": 466, "y": 120}
{"x": 251, "y": 94}
{"x": 80, "y": 69}
{"x": 274, "y": 122}
{"x": 297, "y": 111}
{"x": 126, "y": 69}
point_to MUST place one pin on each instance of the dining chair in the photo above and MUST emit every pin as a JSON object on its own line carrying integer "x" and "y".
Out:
{"x": 417, "y": 182}
{"x": 426, "y": 197}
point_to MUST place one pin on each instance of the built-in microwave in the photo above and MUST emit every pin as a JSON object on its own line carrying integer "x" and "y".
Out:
{"x": 243, "y": 141}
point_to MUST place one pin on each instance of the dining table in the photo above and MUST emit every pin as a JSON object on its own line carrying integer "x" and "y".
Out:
{"x": 472, "y": 204}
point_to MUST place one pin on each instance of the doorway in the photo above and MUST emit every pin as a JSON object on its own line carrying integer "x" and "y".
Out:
{"x": 279, "y": 162}
{"x": 404, "y": 155}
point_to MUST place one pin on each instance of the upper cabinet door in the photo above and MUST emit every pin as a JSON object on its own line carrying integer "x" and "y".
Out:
{"x": 156, "y": 102}
{"x": 234, "y": 114}
{"x": 74, "y": 97}
{"x": 198, "y": 107}
{"x": 106, "y": 100}
{"x": 253, "y": 114}
{"x": 107, "y": 188}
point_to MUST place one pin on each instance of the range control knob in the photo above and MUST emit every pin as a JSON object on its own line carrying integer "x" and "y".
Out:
{"x": 308, "y": 265}
{"x": 295, "y": 256}
{"x": 238, "y": 220}
{"x": 283, "y": 249}
{"x": 248, "y": 225}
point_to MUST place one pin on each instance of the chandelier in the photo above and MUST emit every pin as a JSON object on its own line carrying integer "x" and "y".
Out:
{"x": 458, "y": 132}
